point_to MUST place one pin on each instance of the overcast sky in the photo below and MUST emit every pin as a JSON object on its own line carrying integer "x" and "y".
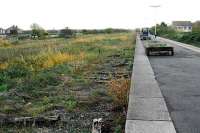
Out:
{"x": 92, "y": 14}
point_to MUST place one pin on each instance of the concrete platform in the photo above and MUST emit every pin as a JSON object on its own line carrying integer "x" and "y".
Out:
{"x": 147, "y": 110}
{"x": 151, "y": 109}
{"x": 140, "y": 126}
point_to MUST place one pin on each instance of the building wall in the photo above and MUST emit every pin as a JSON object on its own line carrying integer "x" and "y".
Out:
{"x": 2, "y": 31}
{"x": 184, "y": 28}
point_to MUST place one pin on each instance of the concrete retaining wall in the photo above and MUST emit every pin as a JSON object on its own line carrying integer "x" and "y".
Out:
{"x": 147, "y": 110}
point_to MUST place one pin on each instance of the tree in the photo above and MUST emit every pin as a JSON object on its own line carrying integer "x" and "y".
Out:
{"x": 38, "y": 31}
{"x": 109, "y": 30}
{"x": 163, "y": 30}
{"x": 196, "y": 26}
{"x": 163, "y": 24}
{"x": 66, "y": 33}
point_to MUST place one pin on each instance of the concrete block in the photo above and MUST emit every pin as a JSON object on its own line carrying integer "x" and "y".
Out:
{"x": 140, "y": 126}
{"x": 147, "y": 109}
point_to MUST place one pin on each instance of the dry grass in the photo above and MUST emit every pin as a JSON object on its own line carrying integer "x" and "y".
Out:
{"x": 91, "y": 39}
{"x": 4, "y": 43}
{"x": 3, "y": 66}
{"x": 118, "y": 89}
{"x": 55, "y": 58}
{"x": 47, "y": 59}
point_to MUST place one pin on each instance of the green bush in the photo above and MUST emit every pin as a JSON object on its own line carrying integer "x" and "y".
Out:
{"x": 2, "y": 78}
{"x": 46, "y": 78}
{"x": 71, "y": 103}
{"x": 3, "y": 87}
{"x": 17, "y": 70}
{"x": 118, "y": 129}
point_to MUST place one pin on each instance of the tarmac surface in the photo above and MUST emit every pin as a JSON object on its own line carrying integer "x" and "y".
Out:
{"x": 178, "y": 78}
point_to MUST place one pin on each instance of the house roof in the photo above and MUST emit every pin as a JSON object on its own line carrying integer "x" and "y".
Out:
{"x": 182, "y": 23}
{"x": 14, "y": 28}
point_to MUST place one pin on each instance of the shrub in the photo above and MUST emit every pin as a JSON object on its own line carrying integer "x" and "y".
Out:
{"x": 38, "y": 31}
{"x": 17, "y": 69}
{"x": 67, "y": 33}
{"x": 2, "y": 77}
{"x": 118, "y": 89}
{"x": 3, "y": 87}
{"x": 118, "y": 129}
{"x": 71, "y": 103}
{"x": 46, "y": 78}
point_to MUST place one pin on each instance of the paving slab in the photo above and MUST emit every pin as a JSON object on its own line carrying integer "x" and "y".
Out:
{"x": 152, "y": 109}
{"x": 149, "y": 90}
{"x": 140, "y": 126}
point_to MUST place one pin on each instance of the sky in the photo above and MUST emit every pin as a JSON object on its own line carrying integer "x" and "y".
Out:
{"x": 95, "y": 14}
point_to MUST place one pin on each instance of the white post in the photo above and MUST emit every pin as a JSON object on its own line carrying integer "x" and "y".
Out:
{"x": 155, "y": 31}
{"x": 155, "y": 7}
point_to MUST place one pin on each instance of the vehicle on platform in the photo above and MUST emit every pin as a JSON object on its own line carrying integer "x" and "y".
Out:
{"x": 157, "y": 48}
{"x": 145, "y": 34}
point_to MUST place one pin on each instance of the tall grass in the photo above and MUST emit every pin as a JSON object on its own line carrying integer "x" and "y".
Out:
{"x": 4, "y": 43}
{"x": 118, "y": 89}
{"x": 60, "y": 49}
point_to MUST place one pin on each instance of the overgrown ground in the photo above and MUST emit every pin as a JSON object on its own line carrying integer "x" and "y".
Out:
{"x": 77, "y": 79}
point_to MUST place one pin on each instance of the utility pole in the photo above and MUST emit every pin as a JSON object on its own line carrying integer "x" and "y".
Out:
{"x": 155, "y": 7}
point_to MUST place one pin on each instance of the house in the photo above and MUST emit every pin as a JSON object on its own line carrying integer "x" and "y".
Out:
{"x": 182, "y": 26}
{"x": 13, "y": 30}
{"x": 2, "y": 31}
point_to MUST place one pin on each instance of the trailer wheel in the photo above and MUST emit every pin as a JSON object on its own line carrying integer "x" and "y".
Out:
{"x": 147, "y": 52}
{"x": 172, "y": 52}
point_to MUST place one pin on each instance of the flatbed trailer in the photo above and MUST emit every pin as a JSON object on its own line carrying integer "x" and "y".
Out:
{"x": 159, "y": 50}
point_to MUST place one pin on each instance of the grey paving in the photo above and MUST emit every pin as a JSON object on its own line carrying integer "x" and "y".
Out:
{"x": 147, "y": 90}
{"x": 140, "y": 126}
{"x": 147, "y": 110}
{"x": 179, "y": 80}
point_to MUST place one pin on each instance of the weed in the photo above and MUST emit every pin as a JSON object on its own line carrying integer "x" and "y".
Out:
{"x": 3, "y": 87}
{"x": 17, "y": 69}
{"x": 3, "y": 65}
{"x": 47, "y": 78}
{"x": 39, "y": 72}
{"x": 118, "y": 129}
{"x": 71, "y": 103}
{"x": 118, "y": 89}
{"x": 99, "y": 93}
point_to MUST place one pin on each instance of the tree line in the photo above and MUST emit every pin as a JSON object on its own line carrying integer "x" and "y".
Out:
{"x": 38, "y": 32}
